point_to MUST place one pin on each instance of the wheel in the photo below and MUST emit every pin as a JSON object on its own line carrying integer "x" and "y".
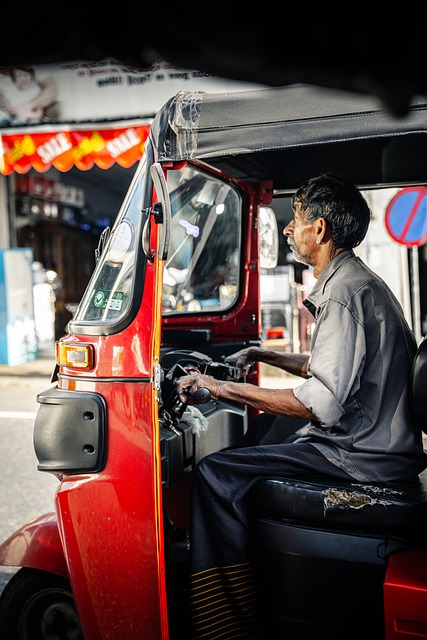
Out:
{"x": 36, "y": 605}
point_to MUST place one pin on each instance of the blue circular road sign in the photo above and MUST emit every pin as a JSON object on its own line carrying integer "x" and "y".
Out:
{"x": 406, "y": 216}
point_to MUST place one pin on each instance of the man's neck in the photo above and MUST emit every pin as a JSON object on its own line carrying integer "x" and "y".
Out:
{"x": 326, "y": 254}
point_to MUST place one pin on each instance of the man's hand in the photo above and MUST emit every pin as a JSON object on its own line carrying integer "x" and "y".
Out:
{"x": 186, "y": 386}
{"x": 27, "y": 111}
{"x": 242, "y": 359}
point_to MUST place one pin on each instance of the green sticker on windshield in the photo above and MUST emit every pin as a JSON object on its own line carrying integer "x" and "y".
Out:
{"x": 103, "y": 299}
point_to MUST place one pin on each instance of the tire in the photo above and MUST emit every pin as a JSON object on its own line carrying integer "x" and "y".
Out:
{"x": 36, "y": 605}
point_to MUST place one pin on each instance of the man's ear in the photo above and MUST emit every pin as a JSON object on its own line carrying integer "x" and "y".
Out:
{"x": 322, "y": 231}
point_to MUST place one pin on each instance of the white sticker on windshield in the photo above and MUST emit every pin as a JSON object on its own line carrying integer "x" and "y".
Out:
{"x": 122, "y": 241}
{"x": 191, "y": 229}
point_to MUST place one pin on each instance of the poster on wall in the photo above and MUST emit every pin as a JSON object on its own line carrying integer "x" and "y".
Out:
{"x": 82, "y": 91}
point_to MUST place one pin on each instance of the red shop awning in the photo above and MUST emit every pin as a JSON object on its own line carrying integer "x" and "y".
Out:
{"x": 82, "y": 148}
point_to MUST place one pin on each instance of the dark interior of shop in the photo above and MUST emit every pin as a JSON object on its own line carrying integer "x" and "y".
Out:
{"x": 60, "y": 216}
{"x": 104, "y": 188}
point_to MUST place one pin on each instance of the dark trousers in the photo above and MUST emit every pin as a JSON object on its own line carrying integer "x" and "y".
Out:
{"x": 223, "y": 594}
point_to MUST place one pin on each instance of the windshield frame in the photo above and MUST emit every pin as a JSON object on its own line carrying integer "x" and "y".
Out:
{"x": 99, "y": 327}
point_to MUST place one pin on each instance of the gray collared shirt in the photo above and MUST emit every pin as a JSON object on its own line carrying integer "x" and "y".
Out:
{"x": 361, "y": 355}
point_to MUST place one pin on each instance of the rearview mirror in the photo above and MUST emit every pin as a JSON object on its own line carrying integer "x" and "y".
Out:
{"x": 268, "y": 238}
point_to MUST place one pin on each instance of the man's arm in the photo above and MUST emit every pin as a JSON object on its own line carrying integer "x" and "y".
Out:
{"x": 281, "y": 402}
{"x": 48, "y": 93}
{"x": 34, "y": 108}
{"x": 294, "y": 363}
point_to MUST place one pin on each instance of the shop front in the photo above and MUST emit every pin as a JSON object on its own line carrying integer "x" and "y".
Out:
{"x": 71, "y": 136}
{"x": 59, "y": 205}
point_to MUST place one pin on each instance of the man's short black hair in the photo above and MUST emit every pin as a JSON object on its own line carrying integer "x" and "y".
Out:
{"x": 340, "y": 203}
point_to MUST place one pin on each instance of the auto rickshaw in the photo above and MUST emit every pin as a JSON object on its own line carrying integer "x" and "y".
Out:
{"x": 176, "y": 288}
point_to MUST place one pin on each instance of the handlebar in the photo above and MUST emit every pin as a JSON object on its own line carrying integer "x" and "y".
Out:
{"x": 186, "y": 362}
{"x": 201, "y": 396}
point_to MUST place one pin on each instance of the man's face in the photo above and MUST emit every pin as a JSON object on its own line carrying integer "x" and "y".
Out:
{"x": 23, "y": 79}
{"x": 301, "y": 237}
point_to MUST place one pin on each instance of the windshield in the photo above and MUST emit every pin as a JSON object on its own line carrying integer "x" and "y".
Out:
{"x": 202, "y": 268}
{"x": 203, "y": 264}
{"x": 109, "y": 295}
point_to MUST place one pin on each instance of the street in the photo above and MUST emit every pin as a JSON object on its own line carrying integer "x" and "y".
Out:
{"x": 24, "y": 492}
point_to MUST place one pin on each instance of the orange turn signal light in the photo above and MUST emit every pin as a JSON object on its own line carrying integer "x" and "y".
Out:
{"x": 74, "y": 356}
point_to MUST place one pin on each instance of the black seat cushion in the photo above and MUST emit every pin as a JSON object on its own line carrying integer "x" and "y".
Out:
{"x": 340, "y": 504}
{"x": 418, "y": 386}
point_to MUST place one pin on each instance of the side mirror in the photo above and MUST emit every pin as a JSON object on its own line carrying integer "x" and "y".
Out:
{"x": 163, "y": 195}
{"x": 268, "y": 238}
{"x": 103, "y": 239}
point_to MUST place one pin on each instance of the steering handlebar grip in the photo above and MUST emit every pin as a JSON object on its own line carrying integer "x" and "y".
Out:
{"x": 201, "y": 396}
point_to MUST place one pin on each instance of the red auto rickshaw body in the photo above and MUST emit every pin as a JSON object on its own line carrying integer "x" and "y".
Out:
{"x": 177, "y": 285}
{"x": 36, "y": 544}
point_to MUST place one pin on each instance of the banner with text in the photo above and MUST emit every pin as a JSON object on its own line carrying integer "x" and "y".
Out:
{"x": 63, "y": 149}
{"x": 83, "y": 92}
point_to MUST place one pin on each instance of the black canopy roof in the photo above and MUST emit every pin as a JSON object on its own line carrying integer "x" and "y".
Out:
{"x": 290, "y": 133}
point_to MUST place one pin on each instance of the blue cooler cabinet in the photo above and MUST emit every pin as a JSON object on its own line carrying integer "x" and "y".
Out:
{"x": 18, "y": 340}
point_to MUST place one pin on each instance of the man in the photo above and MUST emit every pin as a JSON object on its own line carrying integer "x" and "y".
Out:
{"x": 26, "y": 97}
{"x": 354, "y": 405}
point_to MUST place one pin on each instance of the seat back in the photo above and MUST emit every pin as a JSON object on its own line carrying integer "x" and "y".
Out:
{"x": 418, "y": 386}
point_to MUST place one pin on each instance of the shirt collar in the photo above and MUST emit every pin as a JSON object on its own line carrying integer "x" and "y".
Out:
{"x": 314, "y": 297}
